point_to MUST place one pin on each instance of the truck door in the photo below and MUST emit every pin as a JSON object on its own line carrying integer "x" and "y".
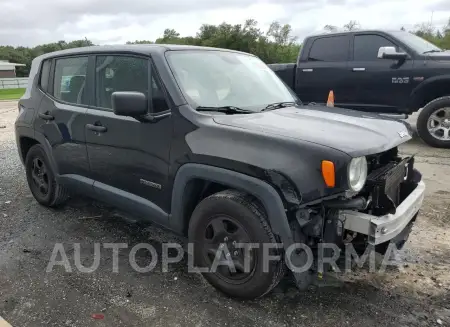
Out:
{"x": 324, "y": 68}
{"x": 380, "y": 85}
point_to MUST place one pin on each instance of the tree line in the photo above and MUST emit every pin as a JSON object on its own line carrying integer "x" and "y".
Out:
{"x": 276, "y": 44}
{"x": 428, "y": 31}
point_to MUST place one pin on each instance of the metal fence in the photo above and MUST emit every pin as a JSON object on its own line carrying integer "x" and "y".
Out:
{"x": 13, "y": 83}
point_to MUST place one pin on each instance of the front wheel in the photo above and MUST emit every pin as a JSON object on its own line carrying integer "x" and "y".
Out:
{"x": 433, "y": 124}
{"x": 222, "y": 222}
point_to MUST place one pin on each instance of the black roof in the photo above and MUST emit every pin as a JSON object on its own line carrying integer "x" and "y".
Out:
{"x": 355, "y": 31}
{"x": 132, "y": 48}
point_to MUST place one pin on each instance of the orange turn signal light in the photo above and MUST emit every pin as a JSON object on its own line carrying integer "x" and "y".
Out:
{"x": 328, "y": 173}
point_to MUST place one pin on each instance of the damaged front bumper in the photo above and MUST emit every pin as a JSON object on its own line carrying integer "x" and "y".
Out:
{"x": 380, "y": 229}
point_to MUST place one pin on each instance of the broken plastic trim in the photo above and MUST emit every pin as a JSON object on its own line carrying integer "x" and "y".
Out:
{"x": 285, "y": 186}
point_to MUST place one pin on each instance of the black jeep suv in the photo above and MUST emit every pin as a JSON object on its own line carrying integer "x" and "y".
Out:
{"x": 212, "y": 145}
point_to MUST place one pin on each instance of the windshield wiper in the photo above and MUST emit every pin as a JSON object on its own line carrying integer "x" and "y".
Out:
{"x": 226, "y": 109}
{"x": 431, "y": 51}
{"x": 278, "y": 105}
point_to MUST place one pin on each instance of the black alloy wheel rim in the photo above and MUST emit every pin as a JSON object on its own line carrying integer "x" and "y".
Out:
{"x": 224, "y": 234}
{"x": 39, "y": 176}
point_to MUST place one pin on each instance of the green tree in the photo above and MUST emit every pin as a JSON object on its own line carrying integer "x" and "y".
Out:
{"x": 429, "y": 32}
{"x": 140, "y": 42}
{"x": 277, "y": 44}
{"x": 352, "y": 25}
{"x": 330, "y": 28}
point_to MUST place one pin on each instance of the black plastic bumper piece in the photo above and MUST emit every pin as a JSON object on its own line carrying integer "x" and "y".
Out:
{"x": 358, "y": 203}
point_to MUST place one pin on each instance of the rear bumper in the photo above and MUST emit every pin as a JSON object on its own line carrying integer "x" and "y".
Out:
{"x": 380, "y": 229}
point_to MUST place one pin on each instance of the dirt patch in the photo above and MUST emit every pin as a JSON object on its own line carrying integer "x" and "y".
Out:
{"x": 8, "y": 114}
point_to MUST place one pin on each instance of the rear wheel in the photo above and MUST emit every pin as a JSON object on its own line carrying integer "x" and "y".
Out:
{"x": 218, "y": 225}
{"x": 41, "y": 178}
{"x": 433, "y": 124}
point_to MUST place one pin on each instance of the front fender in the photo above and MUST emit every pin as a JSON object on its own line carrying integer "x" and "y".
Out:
{"x": 264, "y": 192}
{"x": 417, "y": 94}
{"x": 299, "y": 161}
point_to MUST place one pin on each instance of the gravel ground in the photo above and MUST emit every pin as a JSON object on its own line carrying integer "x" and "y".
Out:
{"x": 416, "y": 295}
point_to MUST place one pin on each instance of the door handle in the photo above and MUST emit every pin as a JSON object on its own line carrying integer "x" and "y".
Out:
{"x": 308, "y": 70}
{"x": 359, "y": 69}
{"x": 46, "y": 116}
{"x": 96, "y": 128}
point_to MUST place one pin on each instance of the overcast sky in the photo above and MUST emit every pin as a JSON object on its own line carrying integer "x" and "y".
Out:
{"x": 32, "y": 22}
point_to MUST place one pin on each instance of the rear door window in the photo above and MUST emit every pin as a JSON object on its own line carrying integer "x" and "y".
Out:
{"x": 70, "y": 80}
{"x": 330, "y": 48}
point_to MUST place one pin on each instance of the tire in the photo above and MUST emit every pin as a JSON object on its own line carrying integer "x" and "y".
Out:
{"x": 433, "y": 107}
{"x": 247, "y": 212}
{"x": 54, "y": 194}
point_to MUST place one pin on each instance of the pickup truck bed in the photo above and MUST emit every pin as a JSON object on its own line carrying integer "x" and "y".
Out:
{"x": 286, "y": 72}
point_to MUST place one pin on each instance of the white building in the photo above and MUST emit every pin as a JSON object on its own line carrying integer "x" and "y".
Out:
{"x": 8, "y": 69}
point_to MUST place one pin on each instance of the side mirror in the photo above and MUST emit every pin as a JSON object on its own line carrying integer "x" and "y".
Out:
{"x": 391, "y": 53}
{"x": 133, "y": 104}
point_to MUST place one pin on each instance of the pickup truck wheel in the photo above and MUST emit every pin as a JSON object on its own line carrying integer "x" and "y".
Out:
{"x": 41, "y": 179}
{"x": 433, "y": 124}
{"x": 218, "y": 225}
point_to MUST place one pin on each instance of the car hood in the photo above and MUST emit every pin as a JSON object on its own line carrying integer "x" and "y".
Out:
{"x": 440, "y": 56}
{"x": 353, "y": 132}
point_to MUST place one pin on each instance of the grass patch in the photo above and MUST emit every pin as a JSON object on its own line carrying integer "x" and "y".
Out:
{"x": 11, "y": 94}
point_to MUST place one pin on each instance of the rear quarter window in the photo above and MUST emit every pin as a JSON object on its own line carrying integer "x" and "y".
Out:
{"x": 45, "y": 75}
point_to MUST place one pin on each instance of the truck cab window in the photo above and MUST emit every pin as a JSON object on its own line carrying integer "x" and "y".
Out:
{"x": 329, "y": 48}
{"x": 366, "y": 47}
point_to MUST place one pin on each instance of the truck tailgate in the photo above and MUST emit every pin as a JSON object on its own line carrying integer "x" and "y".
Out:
{"x": 286, "y": 72}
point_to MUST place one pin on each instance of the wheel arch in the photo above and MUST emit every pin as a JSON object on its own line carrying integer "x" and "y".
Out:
{"x": 26, "y": 141}
{"x": 25, "y": 144}
{"x": 198, "y": 181}
{"x": 422, "y": 122}
{"x": 430, "y": 89}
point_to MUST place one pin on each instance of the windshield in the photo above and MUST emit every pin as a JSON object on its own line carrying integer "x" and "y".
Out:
{"x": 221, "y": 78}
{"x": 414, "y": 42}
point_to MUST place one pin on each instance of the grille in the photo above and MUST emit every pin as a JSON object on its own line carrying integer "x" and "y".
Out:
{"x": 385, "y": 184}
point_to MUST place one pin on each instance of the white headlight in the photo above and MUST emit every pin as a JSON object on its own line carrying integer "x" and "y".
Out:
{"x": 357, "y": 173}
